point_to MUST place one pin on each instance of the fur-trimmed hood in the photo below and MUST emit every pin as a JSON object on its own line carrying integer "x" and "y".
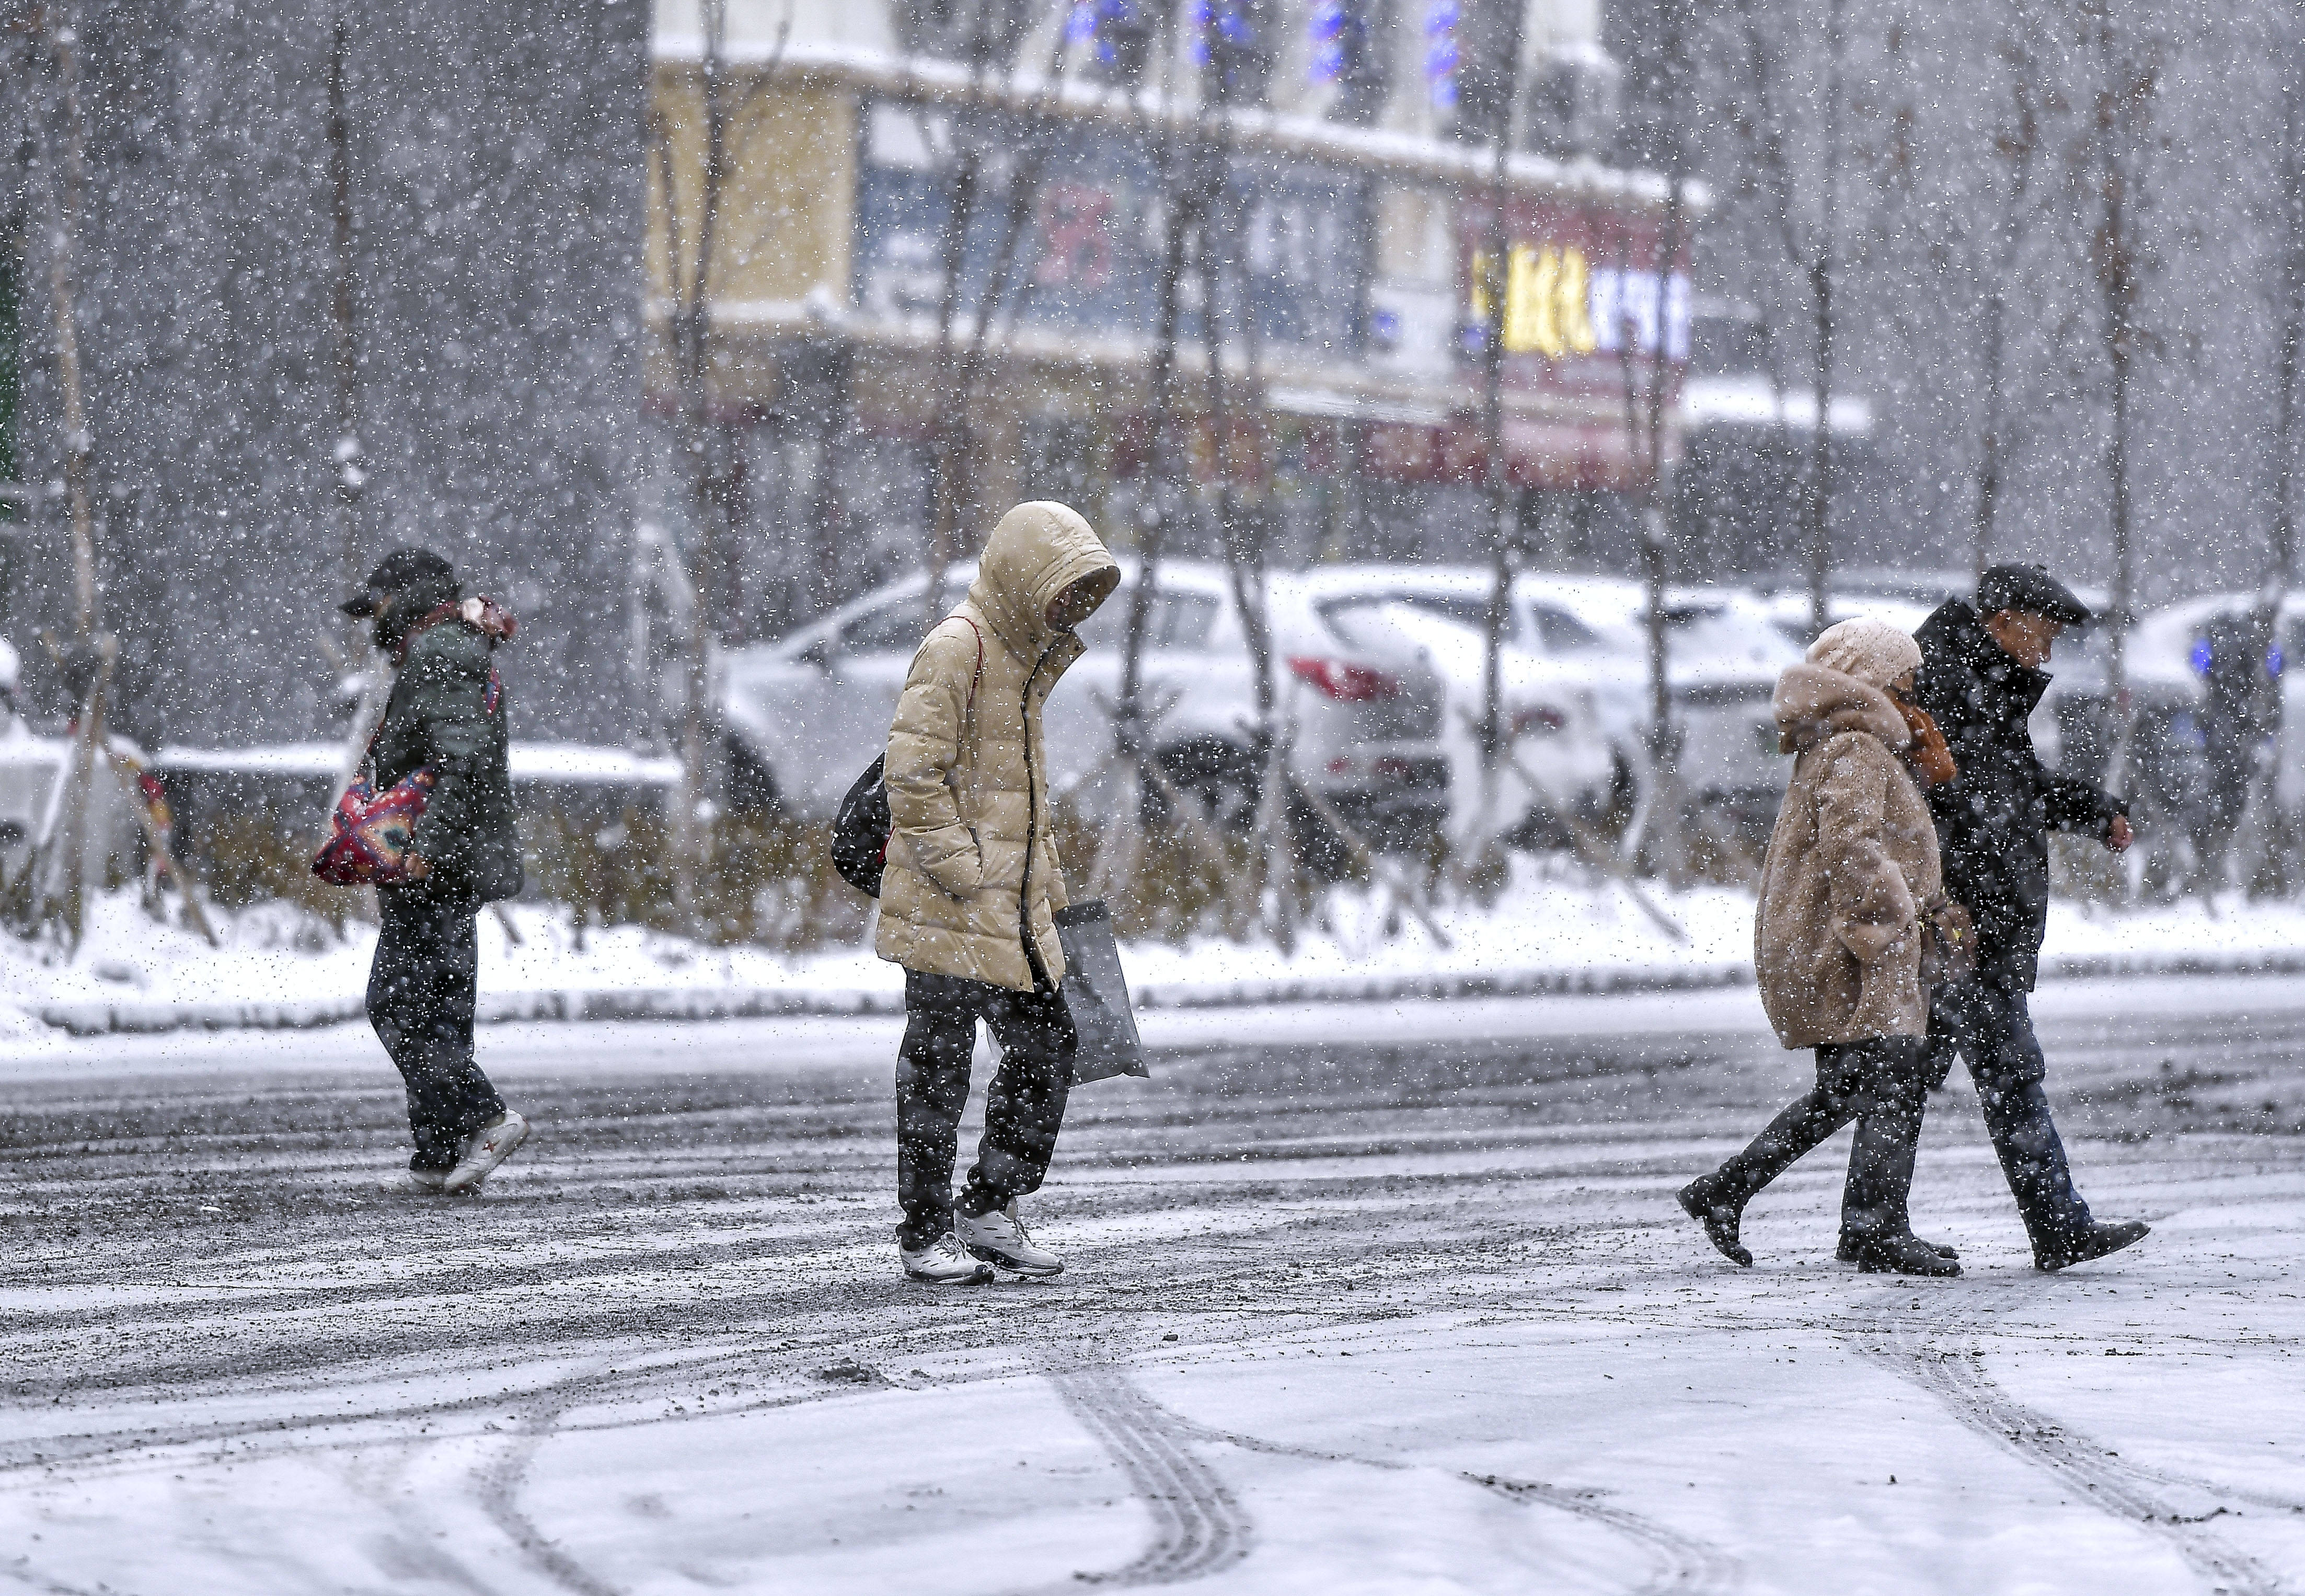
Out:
{"x": 1813, "y": 702}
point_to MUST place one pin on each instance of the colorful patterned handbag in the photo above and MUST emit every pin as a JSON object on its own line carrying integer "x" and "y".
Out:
{"x": 372, "y": 833}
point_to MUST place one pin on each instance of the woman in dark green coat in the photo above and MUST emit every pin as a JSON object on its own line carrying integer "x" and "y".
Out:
{"x": 446, "y": 714}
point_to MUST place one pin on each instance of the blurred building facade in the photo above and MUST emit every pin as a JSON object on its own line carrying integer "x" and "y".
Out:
{"x": 1355, "y": 198}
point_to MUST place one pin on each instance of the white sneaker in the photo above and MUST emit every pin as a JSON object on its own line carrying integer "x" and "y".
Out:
{"x": 428, "y": 1181}
{"x": 998, "y": 1237}
{"x": 942, "y": 1263}
{"x": 487, "y": 1147}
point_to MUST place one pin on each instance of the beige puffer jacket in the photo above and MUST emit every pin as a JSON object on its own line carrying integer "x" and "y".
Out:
{"x": 971, "y": 862}
{"x": 1836, "y": 945}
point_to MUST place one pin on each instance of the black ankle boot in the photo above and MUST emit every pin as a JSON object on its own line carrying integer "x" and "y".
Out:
{"x": 2095, "y": 1242}
{"x": 1719, "y": 1214}
{"x": 1850, "y": 1246}
{"x": 1904, "y": 1254}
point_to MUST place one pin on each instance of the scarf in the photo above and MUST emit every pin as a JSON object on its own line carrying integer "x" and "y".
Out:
{"x": 483, "y": 615}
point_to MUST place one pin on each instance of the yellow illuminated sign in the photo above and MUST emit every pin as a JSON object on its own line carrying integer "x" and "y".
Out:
{"x": 1548, "y": 308}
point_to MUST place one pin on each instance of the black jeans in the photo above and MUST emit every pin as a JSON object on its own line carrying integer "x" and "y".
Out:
{"x": 420, "y": 992}
{"x": 1992, "y": 1028}
{"x": 1876, "y": 1081}
{"x": 1023, "y": 1111}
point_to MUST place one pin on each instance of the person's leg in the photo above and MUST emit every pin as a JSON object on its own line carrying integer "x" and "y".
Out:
{"x": 1888, "y": 1134}
{"x": 396, "y": 1014}
{"x": 1796, "y": 1130}
{"x": 1025, "y": 1108}
{"x": 2004, "y": 1060}
{"x": 931, "y": 1093}
{"x": 469, "y": 1098}
{"x": 1717, "y": 1200}
{"x": 421, "y": 996}
{"x": 1881, "y": 1164}
{"x": 1933, "y": 1057}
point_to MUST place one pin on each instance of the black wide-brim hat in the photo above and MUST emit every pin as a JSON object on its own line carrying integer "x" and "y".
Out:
{"x": 401, "y": 570}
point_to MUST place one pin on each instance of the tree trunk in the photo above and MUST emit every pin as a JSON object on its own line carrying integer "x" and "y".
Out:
{"x": 1179, "y": 216}
{"x": 60, "y": 869}
{"x": 352, "y": 472}
{"x": 1817, "y": 499}
{"x": 2280, "y": 566}
{"x": 369, "y": 667}
{"x": 1988, "y": 466}
{"x": 1817, "y": 493}
{"x": 953, "y": 447}
{"x": 1495, "y": 284}
{"x": 1648, "y": 438}
{"x": 2023, "y": 144}
{"x": 691, "y": 337}
{"x": 64, "y": 193}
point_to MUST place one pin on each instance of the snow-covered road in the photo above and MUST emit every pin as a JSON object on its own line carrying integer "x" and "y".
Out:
{"x": 1380, "y": 1299}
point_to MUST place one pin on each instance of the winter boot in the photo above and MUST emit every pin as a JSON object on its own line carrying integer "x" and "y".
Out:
{"x": 1905, "y": 1254}
{"x": 998, "y": 1237}
{"x": 1877, "y": 1235}
{"x": 1874, "y": 1202}
{"x": 2095, "y": 1242}
{"x": 1852, "y": 1244}
{"x": 942, "y": 1263}
{"x": 484, "y": 1149}
{"x": 1705, "y": 1202}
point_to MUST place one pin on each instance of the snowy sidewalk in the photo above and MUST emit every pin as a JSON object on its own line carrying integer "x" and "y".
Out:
{"x": 1544, "y": 935}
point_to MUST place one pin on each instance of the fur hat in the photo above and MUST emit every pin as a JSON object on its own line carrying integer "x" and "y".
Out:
{"x": 1872, "y": 651}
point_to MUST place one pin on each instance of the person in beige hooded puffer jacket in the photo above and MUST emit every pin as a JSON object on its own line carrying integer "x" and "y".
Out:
{"x": 971, "y": 890}
{"x": 1837, "y": 941}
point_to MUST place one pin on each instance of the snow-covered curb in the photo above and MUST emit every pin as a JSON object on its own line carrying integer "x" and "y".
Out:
{"x": 747, "y": 1003}
{"x": 1547, "y": 935}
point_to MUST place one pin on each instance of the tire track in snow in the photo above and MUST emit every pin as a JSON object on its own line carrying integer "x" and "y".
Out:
{"x": 498, "y": 1486}
{"x": 22, "y": 1572}
{"x": 1685, "y": 1565}
{"x": 1944, "y": 1355}
{"x": 1199, "y": 1526}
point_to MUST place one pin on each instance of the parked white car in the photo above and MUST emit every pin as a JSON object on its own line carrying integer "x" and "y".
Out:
{"x": 809, "y": 712}
{"x": 1575, "y": 676}
{"x": 1722, "y": 661}
{"x": 29, "y": 766}
{"x": 1439, "y": 615}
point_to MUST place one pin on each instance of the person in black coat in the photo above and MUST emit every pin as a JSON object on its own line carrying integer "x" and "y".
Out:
{"x": 1980, "y": 679}
{"x": 446, "y": 715}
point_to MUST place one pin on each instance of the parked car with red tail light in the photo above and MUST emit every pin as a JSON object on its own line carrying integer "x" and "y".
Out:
{"x": 806, "y": 713}
{"x": 1552, "y": 717}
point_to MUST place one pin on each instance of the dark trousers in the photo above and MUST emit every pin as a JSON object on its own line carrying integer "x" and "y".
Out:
{"x": 1876, "y": 1081}
{"x": 1023, "y": 1111}
{"x": 1992, "y": 1028}
{"x": 420, "y": 992}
